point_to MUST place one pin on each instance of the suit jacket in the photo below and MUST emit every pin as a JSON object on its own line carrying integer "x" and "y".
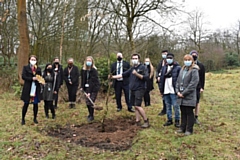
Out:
{"x": 27, "y": 76}
{"x": 126, "y": 66}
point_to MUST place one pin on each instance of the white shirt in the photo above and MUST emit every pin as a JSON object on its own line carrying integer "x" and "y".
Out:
{"x": 168, "y": 86}
{"x": 119, "y": 65}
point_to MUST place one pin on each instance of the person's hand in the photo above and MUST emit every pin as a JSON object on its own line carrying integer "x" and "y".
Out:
{"x": 110, "y": 76}
{"x": 88, "y": 94}
{"x": 134, "y": 72}
{"x": 158, "y": 79}
{"x": 70, "y": 83}
{"x": 34, "y": 78}
{"x": 201, "y": 90}
{"x": 81, "y": 89}
{"x": 55, "y": 92}
{"x": 180, "y": 95}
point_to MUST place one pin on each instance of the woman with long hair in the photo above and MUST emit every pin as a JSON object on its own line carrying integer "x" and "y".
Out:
{"x": 149, "y": 84}
{"x": 90, "y": 84}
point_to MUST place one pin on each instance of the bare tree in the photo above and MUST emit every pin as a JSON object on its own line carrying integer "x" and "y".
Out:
{"x": 23, "y": 50}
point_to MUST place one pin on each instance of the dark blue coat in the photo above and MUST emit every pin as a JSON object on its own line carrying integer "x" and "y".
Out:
{"x": 175, "y": 71}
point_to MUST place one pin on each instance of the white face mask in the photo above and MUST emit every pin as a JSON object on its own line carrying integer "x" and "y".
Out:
{"x": 33, "y": 62}
{"x": 134, "y": 61}
{"x": 147, "y": 63}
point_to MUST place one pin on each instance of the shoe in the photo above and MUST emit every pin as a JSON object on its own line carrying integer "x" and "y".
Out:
{"x": 145, "y": 124}
{"x": 131, "y": 110}
{"x": 90, "y": 118}
{"x": 187, "y": 133}
{"x": 177, "y": 124}
{"x": 138, "y": 123}
{"x": 119, "y": 109}
{"x": 197, "y": 121}
{"x": 23, "y": 122}
{"x": 168, "y": 123}
{"x": 161, "y": 113}
{"x": 35, "y": 121}
{"x": 180, "y": 131}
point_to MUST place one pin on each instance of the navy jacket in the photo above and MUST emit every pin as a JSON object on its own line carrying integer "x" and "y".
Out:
{"x": 136, "y": 83}
{"x": 175, "y": 71}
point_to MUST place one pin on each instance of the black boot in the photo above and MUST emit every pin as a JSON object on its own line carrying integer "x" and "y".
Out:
{"x": 177, "y": 124}
{"x": 35, "y": 111}
{"x": 24, "y": 111}
{"x": 168, "y": 123}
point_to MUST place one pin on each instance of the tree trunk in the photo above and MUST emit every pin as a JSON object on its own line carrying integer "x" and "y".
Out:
{"x": 23, "y": 50}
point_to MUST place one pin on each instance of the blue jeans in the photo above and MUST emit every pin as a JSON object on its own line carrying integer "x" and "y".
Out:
{"x": 171, "y": 100}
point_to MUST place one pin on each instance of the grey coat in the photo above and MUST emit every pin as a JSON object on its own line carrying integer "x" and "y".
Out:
{"x": 187, "y": 86}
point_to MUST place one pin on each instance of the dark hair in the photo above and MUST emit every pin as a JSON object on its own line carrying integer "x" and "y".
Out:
{"x": 45, "y": 70}
{"x": 55, "y": 58}
{"x": 164, "y": 51}
{"x": 136, "y": 54}
{"x": 32, "y": 56}
{"x": 170, "y": 55}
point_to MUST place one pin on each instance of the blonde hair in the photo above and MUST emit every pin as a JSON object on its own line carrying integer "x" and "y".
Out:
{"x": 85, "y": 65}
{"x": 186, "y": 57}
{"x": 151, "y": 68}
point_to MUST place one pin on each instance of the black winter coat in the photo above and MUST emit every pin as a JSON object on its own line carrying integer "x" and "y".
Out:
{"x": 74, "y": 75}
{"x": 90, "y": 77}
{"x": 27, "y": 76}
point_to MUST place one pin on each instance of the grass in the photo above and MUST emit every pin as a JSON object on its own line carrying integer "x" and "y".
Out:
{"x": 217, "y": 137}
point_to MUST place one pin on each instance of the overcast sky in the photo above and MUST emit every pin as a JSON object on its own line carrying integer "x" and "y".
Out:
{"x": 220, "y": 13}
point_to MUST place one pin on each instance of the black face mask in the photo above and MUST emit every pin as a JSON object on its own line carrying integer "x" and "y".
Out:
{"x": 195, "y": 58}
{"x": 70, "y": 65}
{"x": 56, "y": 63}
{"x": 49, "y": 70}
{"x": 119, "y": 58}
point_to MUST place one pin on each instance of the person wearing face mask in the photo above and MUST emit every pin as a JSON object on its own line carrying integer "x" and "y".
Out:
{"x": 121, "y": 84}
{"x": 50, "y": 89}
{"x": 71, "y": 78}
{"x": 158, "y": 75}
{"x": 138, "y": 75}
{"x": 58, "y": 71}
{"x": 167, "y": 86}
{"x": 90, "y": 84}
{"x": 201, "y": 83}
{"x": 31, "y": 88}
{"x": 186, "y": 91}
{"x": 149, "y": 84}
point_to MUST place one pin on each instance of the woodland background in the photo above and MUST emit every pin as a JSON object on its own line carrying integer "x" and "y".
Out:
{"x": 78, "y": 28}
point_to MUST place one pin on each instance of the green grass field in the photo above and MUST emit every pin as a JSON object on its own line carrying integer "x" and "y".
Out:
{"x": 217, "y": 138}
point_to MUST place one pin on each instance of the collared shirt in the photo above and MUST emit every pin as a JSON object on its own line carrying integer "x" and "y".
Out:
{"x": 119, "y": 69}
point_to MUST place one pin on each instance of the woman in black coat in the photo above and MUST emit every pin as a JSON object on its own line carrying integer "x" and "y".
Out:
{"x": 71, "y": 77}
{"x": 90, "y": 84}
{"x": 149, "y": 83}
{"x": 31, "y": 88}
{"x": 50, "y": 89}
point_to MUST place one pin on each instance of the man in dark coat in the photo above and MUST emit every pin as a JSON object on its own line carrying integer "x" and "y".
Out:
{"x": 31, "y": 88}
{"x": 158, "y": 75}
{"x": 167, "y": 85}
{"x": 121, "y": 84}
{"x": 71, "y": 77}
{"x": 200, "y": 86}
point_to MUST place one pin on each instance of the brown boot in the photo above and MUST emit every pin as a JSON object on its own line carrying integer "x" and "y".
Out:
{"x": 145, "y": 124}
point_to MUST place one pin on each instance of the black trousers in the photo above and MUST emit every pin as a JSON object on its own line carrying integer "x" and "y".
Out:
{"x": 49, "y": 105}
{"x": 187, "y": 118}
{"x": 119, "y": 86}
{"x": 72, "y": 92}
{"x": 56, "y": 99}
{"x": 25, "y": 108}
{"x": 93, "y": 97}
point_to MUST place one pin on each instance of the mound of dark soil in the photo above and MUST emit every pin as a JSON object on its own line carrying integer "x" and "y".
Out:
{"x": 114, "y": 135}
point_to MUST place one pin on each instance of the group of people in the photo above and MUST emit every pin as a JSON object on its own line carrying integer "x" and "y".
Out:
{"x": 179, "y": 87}
{"x": 45, "y": 85}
